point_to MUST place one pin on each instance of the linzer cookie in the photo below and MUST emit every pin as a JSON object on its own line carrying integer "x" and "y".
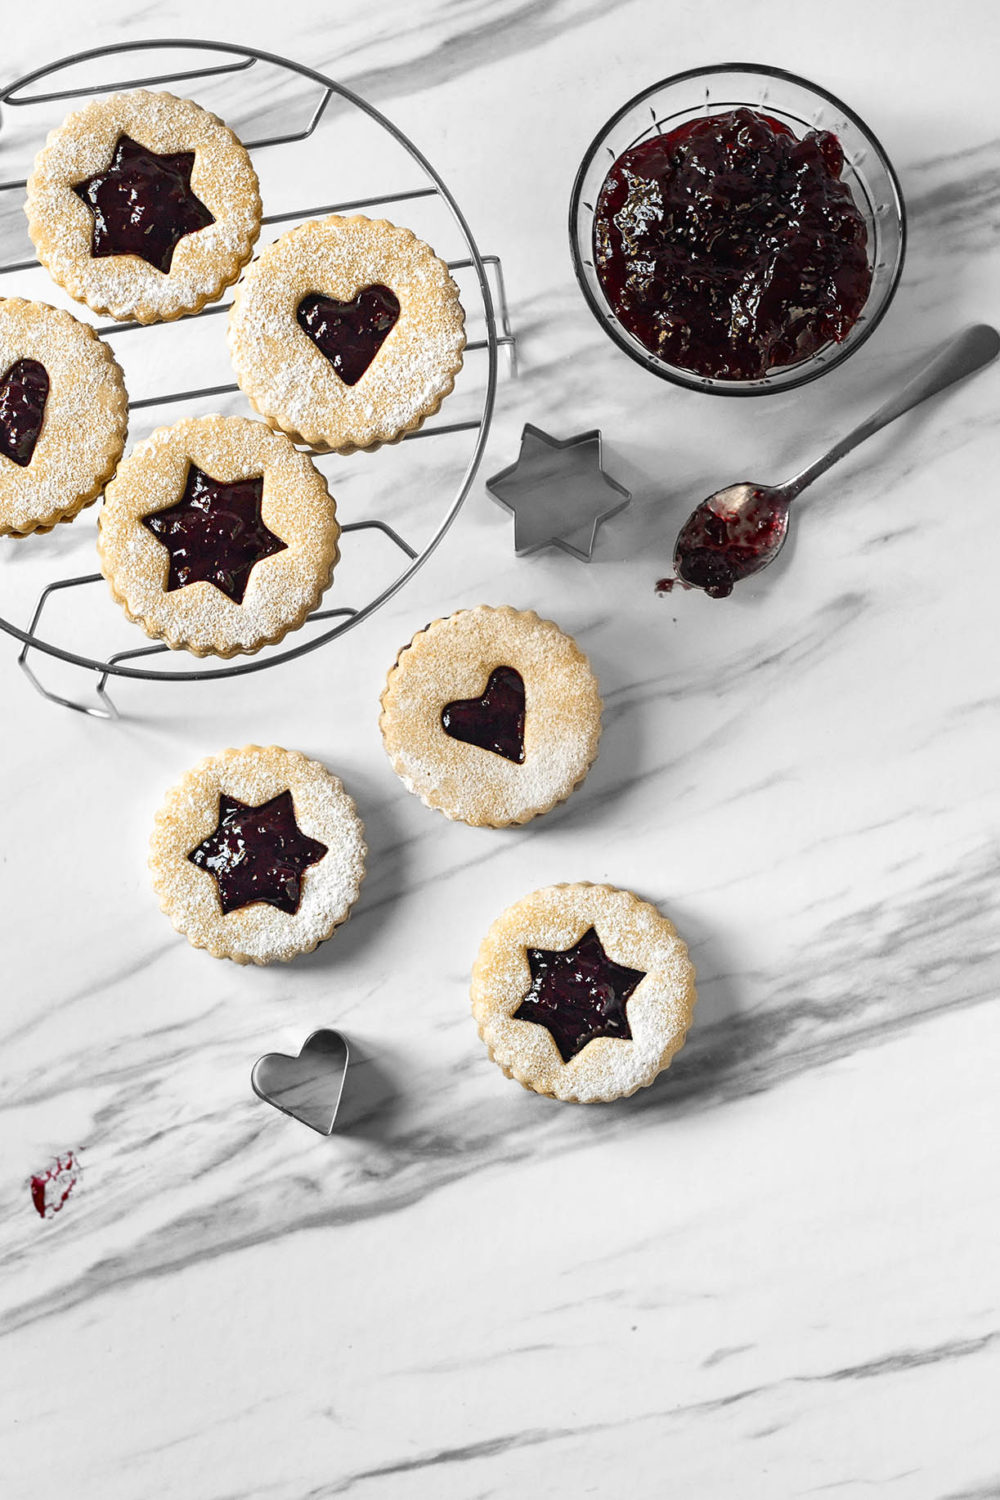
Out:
{"x": 217, "y": 536}
{"x": 143, "y": 206}
{"x": 347, "y": 333}
{"x": 583, "y": 992}
{"x": 257, "y": 854}
{"x": 63, "y": 416}
{"x": 492, "y": 716}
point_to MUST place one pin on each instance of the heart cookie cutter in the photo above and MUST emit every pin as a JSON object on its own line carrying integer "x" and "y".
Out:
{"x": 307, "y": 1087}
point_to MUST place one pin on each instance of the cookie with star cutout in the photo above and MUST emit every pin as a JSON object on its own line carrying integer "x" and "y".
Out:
{"x": 491, "y": 716}
{"x": 144, "y": 206}
{"x": 257, "y": 854}
{"x": 583, "y": 992}
{"x": 218, "y": 536}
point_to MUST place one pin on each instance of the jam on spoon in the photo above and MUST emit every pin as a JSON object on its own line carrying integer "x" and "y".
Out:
{"x": 729, "y": 246}
{"x": 740, "y": 529}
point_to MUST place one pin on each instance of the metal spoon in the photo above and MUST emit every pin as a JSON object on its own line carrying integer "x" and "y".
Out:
{"x": 741, "y": 529}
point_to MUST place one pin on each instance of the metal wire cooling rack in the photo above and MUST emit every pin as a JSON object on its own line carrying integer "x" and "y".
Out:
{"x": 486, "y": 268}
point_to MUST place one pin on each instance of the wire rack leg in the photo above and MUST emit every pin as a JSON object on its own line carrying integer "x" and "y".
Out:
{"x": 93, "y": 710}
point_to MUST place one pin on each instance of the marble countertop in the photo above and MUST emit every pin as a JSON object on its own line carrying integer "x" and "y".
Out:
{"x": 772, "y": 1274}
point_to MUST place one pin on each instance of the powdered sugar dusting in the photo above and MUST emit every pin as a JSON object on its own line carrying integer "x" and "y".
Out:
{"x": 204, "y": 263}
{"x": 288, "y": 379}
{"x": 259, "y": 933}
{"x": 453, "y": 658}
{"x": 85, "y": 420}
{"x": 296, "y": 505}
{"x": 632, "y": 932}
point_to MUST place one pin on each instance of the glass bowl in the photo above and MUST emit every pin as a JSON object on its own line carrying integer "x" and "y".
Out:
{"x": 800, "y": 105}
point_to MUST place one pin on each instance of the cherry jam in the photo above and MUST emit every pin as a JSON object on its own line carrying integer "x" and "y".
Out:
{"x": 730, "y": 247}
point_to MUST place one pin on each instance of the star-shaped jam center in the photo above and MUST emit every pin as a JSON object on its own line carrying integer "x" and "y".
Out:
{"x": 215, "y": 533}
{"x": 258, "y": 854}
{"x": 142, "y": 204}
{"x": 578, "y": 994}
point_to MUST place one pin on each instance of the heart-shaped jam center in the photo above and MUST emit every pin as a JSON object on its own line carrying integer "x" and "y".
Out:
{"x": 493, "y": 722}
{"x": 349, "y": 334}
{"x": 24, "y": 391}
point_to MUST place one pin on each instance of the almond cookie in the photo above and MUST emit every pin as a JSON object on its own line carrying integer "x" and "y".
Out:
{"x": 63, "y": 416}
{"x": 583, "y": 992}
{"x": 346, "y": 333}
{"x": 257, "y": 854}
{"x": 217, "y": 536}
{"x": 143, "y": 206}
{"x": 491, "y": 715}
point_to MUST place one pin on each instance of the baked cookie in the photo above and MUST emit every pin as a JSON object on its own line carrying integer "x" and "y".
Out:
{"x": 257, "y": 854}
{"x": 217, "y": 536}
{"x": 143, "y": 206}
{"x": 63, "y": 416}
{"x": 491, "y": 715}
{"x": 583, "y": 992}
{"x": 346, "y": 333}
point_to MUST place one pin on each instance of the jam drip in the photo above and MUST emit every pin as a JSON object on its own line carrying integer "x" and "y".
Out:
{"x": 578, "y": 994}
{"x": 258, "y": 854}
{"x": 729, "y": 247}
{"x": 215, "y": 533}
{"x": 24, "y": 391}
{"x": 349, "y": 334}
{"x": 717, "y": 548}
{"x": 493, "y": 722}
{"x": 143, "y": 204}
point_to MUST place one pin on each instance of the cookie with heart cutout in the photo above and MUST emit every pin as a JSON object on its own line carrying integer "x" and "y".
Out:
{"x": 492, "y": 716}
{"x": 257, "y": 854}
{"x": 347, "y": 333}
{"x": 583, "y": 992}
{"x": 63, "y": 416}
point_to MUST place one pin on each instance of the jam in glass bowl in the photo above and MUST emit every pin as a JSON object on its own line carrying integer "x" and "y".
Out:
{"x": 737, "y": 230}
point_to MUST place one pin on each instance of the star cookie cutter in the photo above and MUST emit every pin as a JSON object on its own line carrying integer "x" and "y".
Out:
{"x": 307, "y": 1087}
{"x": 558, "y": 491}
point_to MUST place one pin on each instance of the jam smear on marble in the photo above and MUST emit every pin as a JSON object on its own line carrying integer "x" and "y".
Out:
{"x": 730, "y": 247}
{"x": 493, "y": 722}
{"x": 51, "y": 1188}
{"x": 24, "y": 391}
{"x": 349, "y": 334}
{"x": 258, "y": 854}
{"x": 215, "y": 533}
{"x": 717, "y": 548}
{"x": 142, "y": 204}
{"x": 578, "y": 994}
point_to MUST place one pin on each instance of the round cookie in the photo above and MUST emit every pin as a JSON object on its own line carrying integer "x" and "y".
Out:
{"x": 143, "y": 206}
{"x": 257, "y": 854}
{"x": 63, "y": 416}
{"x": 217, "y": 536}
{"x": 583, "y": 992}
{"x": 347, "y": 333}
{"x": 492, "y": 716}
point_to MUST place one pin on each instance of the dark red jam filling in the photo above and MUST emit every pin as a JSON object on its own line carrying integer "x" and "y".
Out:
{"x": 718, "y": 548}
{"x": 493, "y": 722}
{"x": 578, "y": 994}
{"x": 349, "y": 334}
{"x": 143, "y": 204}
{"x": 729, "y": 247}
{"x": 24, "y": 391}
{"x": 258, "y": 854}
{"x": 215, "y": 533}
